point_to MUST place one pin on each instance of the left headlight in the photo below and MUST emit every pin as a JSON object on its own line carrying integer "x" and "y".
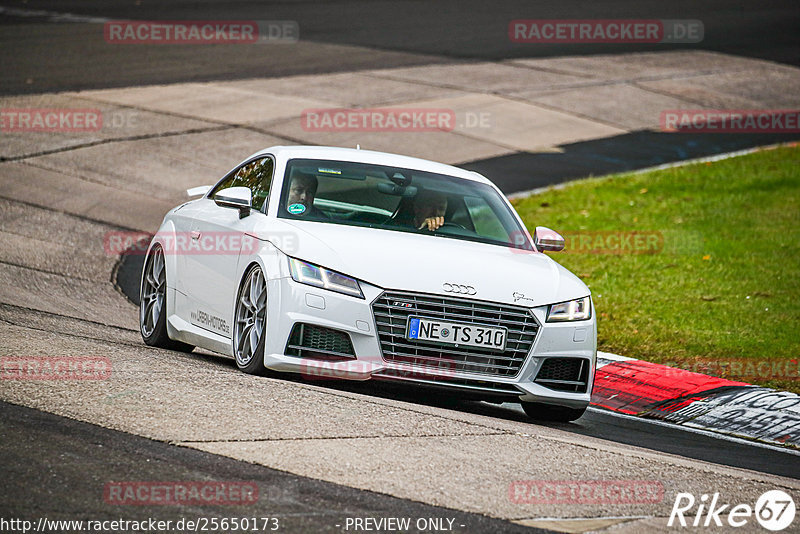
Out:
{"x": 573, "y": 310}
{"x": 314, "y": 275}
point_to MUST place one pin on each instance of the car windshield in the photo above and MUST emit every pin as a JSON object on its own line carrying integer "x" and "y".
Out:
{"x": 397, "y": 199}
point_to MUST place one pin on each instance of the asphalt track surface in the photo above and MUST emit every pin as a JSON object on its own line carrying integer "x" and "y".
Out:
{"x": 39, "y": 56}
{"x": 525, "y": 171}
{"x": 65, "y": 471}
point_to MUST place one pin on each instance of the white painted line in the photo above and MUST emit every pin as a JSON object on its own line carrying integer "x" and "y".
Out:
{"x": 708, "y": 433}
{"x": 716, "y": 157}
{"x": 538, "y": 190}
{"x": 613, "y": 357}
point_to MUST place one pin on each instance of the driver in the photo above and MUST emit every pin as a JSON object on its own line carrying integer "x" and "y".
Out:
{"x": 428, "y": 209}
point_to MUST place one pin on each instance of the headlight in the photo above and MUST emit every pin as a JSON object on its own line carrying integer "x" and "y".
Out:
{"x": 314, "y": 275}
{"x": 574, "y": 310}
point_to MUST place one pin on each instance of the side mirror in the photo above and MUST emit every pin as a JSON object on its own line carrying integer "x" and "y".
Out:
{"x": 547, "y": 239}
{"x": 240, "y": 198}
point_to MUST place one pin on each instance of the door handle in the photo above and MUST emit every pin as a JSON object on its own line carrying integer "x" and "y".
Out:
{"x": 195, "y": 235}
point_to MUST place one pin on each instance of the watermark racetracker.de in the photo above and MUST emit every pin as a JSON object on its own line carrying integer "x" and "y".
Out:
{"x": 55, "y": 368}
{"x": 210, "y": 523}
{"x": 360, "y": 369}
{"x": 620, "y": 242}
{"x": 50, "y": 120}
{"x": 378, "y": 120}
{"x": 542, "y": 31}
{"x": 730, "y": 120}
{"x": 132, "y": 243}
{"x": 739, "y": 369}
{"x": 613, "y": 242}
{"x": 180, "y": 493}
{"x": 64, "y": 120}
{"x": 200, "y": 32}
{"x": 393, "y": 120}
{"x": 585, "y": 491}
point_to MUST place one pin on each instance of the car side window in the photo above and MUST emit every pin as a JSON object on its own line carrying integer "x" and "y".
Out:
{"x": 255, "y": 175}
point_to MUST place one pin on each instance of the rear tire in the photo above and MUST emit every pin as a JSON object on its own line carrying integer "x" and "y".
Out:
{"x": 153, "y": 304}
{"x": 549, "y": 412}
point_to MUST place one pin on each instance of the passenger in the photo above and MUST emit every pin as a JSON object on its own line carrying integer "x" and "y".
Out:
{"x": 300, "y": 199}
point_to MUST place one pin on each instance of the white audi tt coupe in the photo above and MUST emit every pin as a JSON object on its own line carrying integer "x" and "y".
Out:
{"x": 352, "y": 264}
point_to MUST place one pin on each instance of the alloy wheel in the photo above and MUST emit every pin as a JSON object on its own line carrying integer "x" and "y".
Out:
{"x": 250, "y": 317}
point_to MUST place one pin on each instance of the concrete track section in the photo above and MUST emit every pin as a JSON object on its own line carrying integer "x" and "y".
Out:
{"x": 525, "y": 123}
{"x": 66, "y": 478}
{"x": 62, "y": 193}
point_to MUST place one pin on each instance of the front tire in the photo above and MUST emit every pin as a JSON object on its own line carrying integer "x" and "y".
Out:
{"x": 250, "y": 323}
{"x": 153, "y": 304}
{"x": 551, "y": 413}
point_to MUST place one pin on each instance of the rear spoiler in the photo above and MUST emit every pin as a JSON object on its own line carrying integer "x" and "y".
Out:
{"x": 198, "y": 191}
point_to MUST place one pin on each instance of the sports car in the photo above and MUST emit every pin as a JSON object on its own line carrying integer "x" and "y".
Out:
{"x": 359, "y": 265}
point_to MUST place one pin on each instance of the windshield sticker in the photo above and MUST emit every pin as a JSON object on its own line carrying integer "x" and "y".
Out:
{"x": 329, "y": 171}
{"x": 296, "y": 209}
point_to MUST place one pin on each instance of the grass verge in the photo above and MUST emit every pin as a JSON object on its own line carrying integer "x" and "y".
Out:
{"x": 711, "y": 283}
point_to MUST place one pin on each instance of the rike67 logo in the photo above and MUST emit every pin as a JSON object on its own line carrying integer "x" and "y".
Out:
{"x": 774, "y": 510}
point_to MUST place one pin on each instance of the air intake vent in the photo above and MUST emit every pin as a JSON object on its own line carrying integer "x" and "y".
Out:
{"x": 320, "y": 343}
{"x": 564, "y": 374}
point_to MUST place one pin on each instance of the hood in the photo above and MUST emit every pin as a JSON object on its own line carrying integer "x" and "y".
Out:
{"x": 411, "y": 262}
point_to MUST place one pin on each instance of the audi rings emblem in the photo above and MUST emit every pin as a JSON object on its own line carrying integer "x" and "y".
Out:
{"x": 458, "y": 288}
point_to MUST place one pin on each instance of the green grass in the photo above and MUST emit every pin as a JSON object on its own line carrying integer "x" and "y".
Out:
{"x": 725, "y": 286}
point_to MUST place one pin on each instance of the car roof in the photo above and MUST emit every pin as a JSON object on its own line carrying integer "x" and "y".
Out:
{"x": 369, "y": 156}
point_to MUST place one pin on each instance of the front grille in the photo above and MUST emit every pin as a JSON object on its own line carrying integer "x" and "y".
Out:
{"x": 564, "y": 374}
{"x": 392, "y": 309}
{"x": 312, "y": 341}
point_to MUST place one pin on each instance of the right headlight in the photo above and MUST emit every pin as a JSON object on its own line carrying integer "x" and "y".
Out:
{"x": 314, "y": 275}
{"x": 573, "y": 310}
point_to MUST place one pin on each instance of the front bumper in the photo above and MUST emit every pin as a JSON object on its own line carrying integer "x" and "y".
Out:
{"x": 291, "y": 303}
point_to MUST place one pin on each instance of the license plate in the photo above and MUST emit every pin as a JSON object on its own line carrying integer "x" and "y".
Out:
{"x": 470, "y": 335}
